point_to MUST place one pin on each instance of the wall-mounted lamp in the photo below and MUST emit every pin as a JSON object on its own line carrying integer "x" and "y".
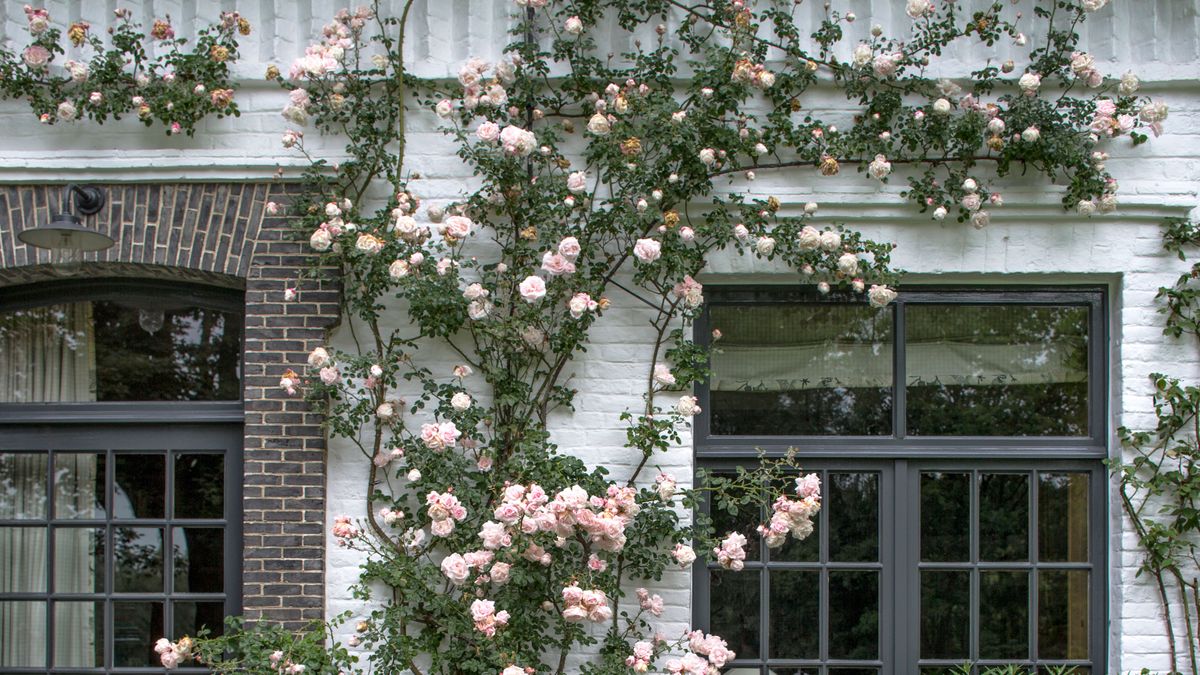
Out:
{"x": 65, "y": 236}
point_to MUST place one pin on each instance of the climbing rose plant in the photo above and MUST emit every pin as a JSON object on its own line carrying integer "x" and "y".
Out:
{"x": 178, "y": 86}
{"x": 606, "y": 183}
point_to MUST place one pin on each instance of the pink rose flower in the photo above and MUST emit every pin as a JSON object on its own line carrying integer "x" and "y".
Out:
{"x": 532, "y": 289}
{"x": 647, "y": 250}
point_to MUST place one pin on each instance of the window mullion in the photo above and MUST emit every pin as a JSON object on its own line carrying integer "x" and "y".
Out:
{"x": 899, "y": 376}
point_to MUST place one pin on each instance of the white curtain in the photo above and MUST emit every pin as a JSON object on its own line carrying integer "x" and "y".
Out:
{"x": 47, "y": 355}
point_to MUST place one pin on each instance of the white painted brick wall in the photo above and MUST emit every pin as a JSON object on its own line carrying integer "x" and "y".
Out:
{"x": 1031, "y": 240}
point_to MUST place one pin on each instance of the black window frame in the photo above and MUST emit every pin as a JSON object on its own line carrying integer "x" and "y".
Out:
{"x": 901, "y": 457}
{"x": 171, "y": 427}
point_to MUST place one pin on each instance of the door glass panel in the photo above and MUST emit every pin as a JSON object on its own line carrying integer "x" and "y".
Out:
{"x": 735, "y": 601}
{"x": 140, "y": 489}
{"x": 744, "y": 519}
{"x": 853, "y": 615}
{"x": 945, "y": 614}
{"x": 853, "y": 503}
{"x": 1063, "y": 517}
{"x": 795, "y": 614}
{"x": 190, "y": 617}
{"x": 199, "y": 559}
{"x": 23, "y": 486}
{"x": 802, "y": 369}
{"x": 945, "y": 516}
{"x": 1004, "y": 614}
{"x": 1003, "y": 517}
{"x": 136, "y": 627}
{"x": 997, "y": 370}
{"x": 198, "y": 486}
{"x": 79, "y": 485}
{"x": 26, "y": 620}
{"x": 26, "y": 572}
{"x": 79, "y": 634}
{"x": 138, "y": 560}
{"x": 79, "y": 559}
{"x": 1063, "y": 614}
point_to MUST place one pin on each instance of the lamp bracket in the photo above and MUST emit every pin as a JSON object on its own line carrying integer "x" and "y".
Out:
{"x": 88, "y": 199}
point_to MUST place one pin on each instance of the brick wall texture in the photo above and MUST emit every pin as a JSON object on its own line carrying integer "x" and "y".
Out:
{"x": 220, "y": 233}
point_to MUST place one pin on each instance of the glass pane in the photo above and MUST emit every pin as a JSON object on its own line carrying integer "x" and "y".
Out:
{"x": 853, "y": 671}
{"x": 135, "y": 349}
{"x": 782, "y": 670}
{"x": 1003, "y": 615}
{"x": 47, "y": 355}
{"x": 795, "y": 614}
{"x": 997, "y": 370}
{"x": 79, "y": 485}
{"x": 23, "y": 559}
{"x": 853, "y": 505}
{"x": 136, "y": 627}
{"x": 1063, "y": 517}
{"x": 191, "y": 616}
{"x": 743, "y": 519}
{"x": 1003, "y": 517}
{"x": 802, "y": 369}
{"x": 23, "y": 486}
{"x": 945, "y": 516}
{"x": 199, "y": 559}
{"x": 853, "y": 615}
{"x": 807, "y": 549}
{"x": 138, "y": 560}
{"x": 25, "y": 640}
{"x": 140, "y": 486}
{"x": 199, "y": 486}
{"x": 945, "y": 614}
{"x": 1062, "y": 614}
{"x": 79, "y": 559}
{"x": 79, "y": 634}
{"x": 734, "y": 605}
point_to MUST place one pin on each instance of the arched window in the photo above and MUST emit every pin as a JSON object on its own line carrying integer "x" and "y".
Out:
{"x": 120, "y": 469}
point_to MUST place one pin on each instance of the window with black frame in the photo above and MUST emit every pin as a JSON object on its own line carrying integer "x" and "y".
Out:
{"x": 120, "y": 471}
{"x": 959, "y": 436}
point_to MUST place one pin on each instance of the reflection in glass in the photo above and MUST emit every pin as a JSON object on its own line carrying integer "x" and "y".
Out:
{"x": 136, "y": 349}
{"x": 1003, "y": 517}
{"x": 945, "y": 614}
{"x": 140, "y": 487}
{"x": 199, "y": 486}
{"x": 79, "y": 485}
{"x": 79, "y": 634}
{"x": 945, "y": 516}
{"x": 23, "y": 485}
{"x": 138, "y": 560}
{"x": 79, "y": 559}
{"x": 27, "y": 649}
{"x": 24, "y": 573}
{"x": 1062, "y": 614}
{"x": 735, "y": 601}
{"x": 853, "y": 615}
{"x": 853, "y": 504}
{"x": 199, "y": 559}
{"x": 1003, "y": 614}
{"x": 802, "y": 369}
{"x": 795, "y": 614}
{"x": 743, "y": 519}
{"x": 190, "y": 617}
{"x": 136, "y": 626}
{"x": 997, "y": 370}
{"x": 1063, "y": 517}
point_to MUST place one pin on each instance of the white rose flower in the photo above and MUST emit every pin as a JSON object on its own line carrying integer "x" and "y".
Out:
{"x": 942, "y": 106}
{"x": 880, "y": 296}
{"x": 479, "y": 310}
{"x": 981, "y": 219}
{"x": 1086, "y": 207}
{"x": 810, "y": 208}
{"x": 320, "y": 240}
{"x": 647, "y": 250}
{"x": 1129, "y": 83}
{"x": 1030, "y": 83}
{"x": 573, "y": 26}
{"x": 460, "y": 401}
{"x": 823, "y": 288}
{"x": 318, "y": 358}
{"x": 918, "y": 8}
{"x": 687, "y": 406}
{"x": 830, "y": 240}
{"x": 398, "y": 269}
{"x": 879, "y": 168}
{"x": 848, "y": 264}
{"x": 708, "y": 156}
{"x": 996, "y": 125}
{"x": 862, "y": 54}
{"x": 475, "y": 292}
{"x": 663, "y": 376}
{"x": 969, "y": 185}
{"x": 765, "y": 246}
{"x": 1094, "y": 5}
{"x": 939, "y": 213}
{"x": 809, "y": 239}
{"x": 488, "y": 132}
{"x": 444, "y": 109}
{"x": 598, "y": 124}
{"x": 577, "y": 182}
{"x": 1031, "y": 135}
{"x": 972, "y": 202}
{"x": 414, "y": 475}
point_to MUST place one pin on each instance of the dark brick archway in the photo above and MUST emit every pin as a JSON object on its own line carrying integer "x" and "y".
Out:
{"x": 220, "y": 233}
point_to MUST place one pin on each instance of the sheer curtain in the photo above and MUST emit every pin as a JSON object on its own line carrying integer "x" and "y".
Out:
{"x": 47, "y": 355}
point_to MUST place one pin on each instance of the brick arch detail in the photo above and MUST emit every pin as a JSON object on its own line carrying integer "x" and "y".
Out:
{"x": 221, "y": 234}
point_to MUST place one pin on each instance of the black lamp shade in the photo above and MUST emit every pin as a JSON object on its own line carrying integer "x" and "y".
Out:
{"x": 65, "y": 231}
